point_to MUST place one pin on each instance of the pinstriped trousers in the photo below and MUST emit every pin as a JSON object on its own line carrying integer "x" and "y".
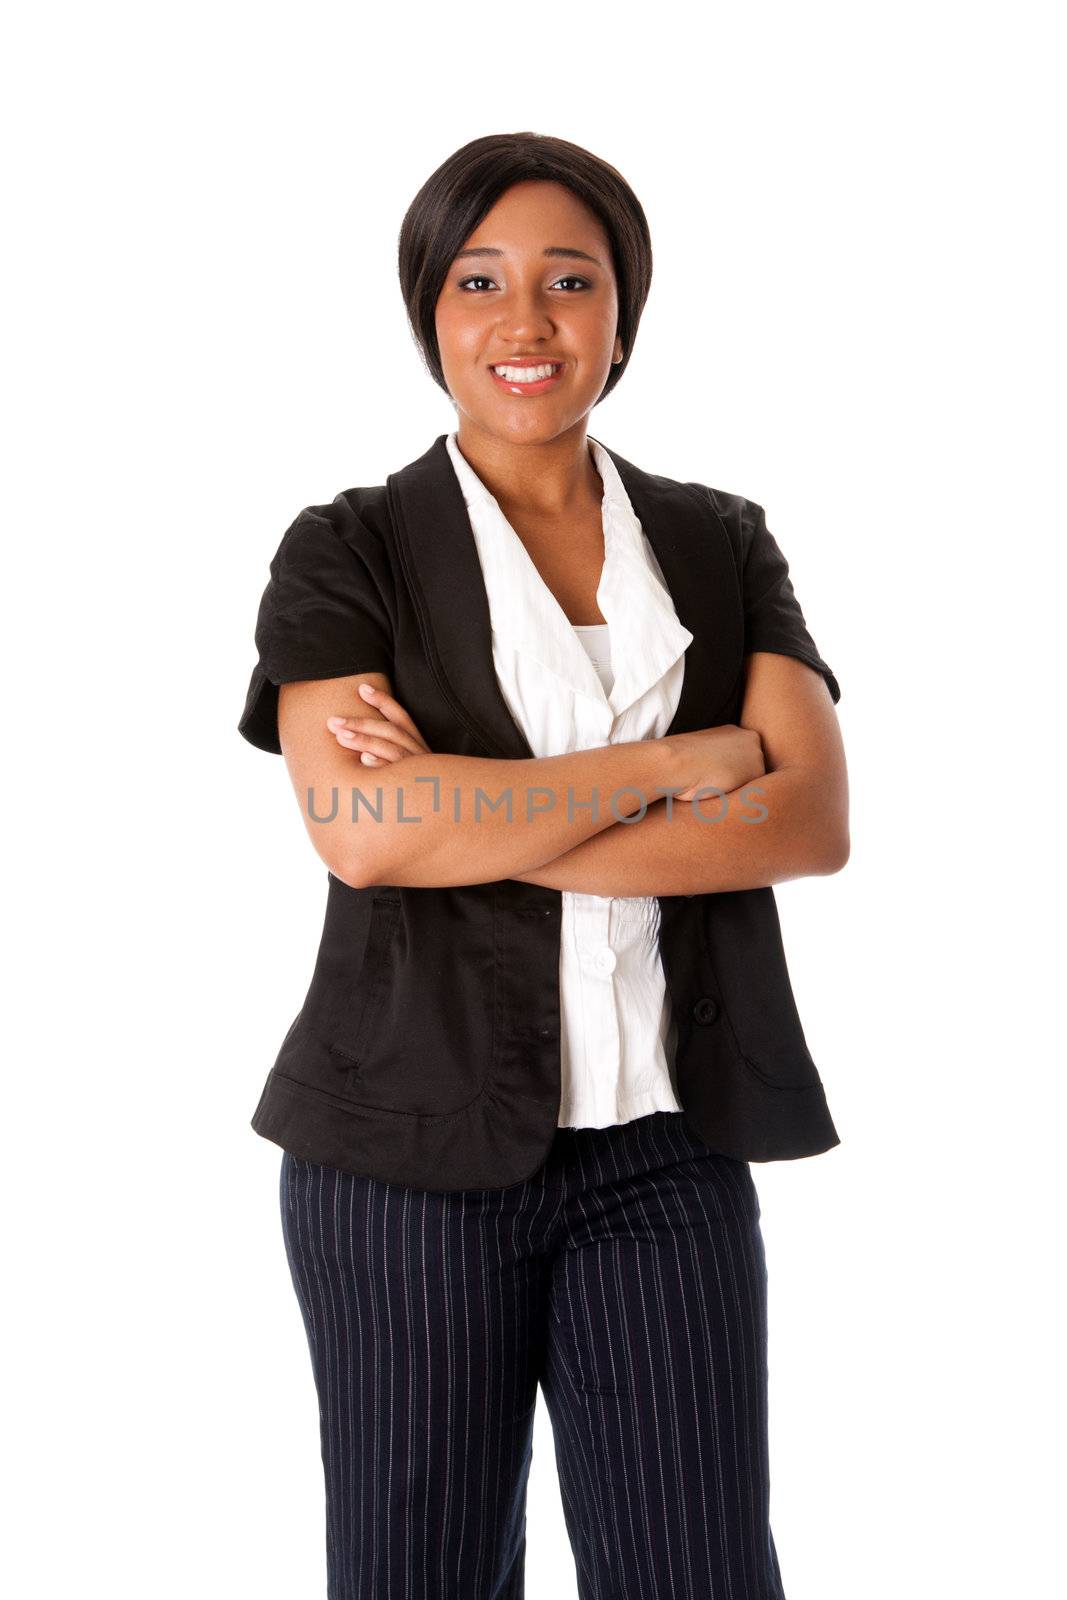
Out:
{"x": 627, "y": 1278}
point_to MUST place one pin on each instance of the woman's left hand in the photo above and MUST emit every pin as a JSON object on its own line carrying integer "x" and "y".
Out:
{"x": 386, "y": 734}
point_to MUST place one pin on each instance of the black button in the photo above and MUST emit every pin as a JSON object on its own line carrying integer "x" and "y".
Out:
{"x": 706, "y": 1009}
{"x": 545, "y": 1033}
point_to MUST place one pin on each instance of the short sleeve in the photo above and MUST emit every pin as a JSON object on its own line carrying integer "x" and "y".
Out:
{"x": 773, "y": 618}
{"x": 326, "y": 613}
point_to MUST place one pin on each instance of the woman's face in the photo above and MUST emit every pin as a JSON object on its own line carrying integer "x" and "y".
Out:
{"x": 533, "y": 284}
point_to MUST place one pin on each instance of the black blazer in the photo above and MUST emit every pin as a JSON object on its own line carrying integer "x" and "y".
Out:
{"x": 427, "y": 1051}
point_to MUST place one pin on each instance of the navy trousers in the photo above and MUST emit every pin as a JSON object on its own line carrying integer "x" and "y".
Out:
{"x": 627, "y": 1278}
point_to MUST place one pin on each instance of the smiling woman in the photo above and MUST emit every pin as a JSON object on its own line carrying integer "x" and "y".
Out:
{"x": 519, "y": 315}
{"x": 550, "y": 1026}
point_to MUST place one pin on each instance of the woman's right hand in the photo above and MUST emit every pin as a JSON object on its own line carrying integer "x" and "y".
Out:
{"x": 714, "y": 758}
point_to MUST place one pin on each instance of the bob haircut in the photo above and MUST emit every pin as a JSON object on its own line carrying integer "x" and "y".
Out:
{"x": 455, "y": 198}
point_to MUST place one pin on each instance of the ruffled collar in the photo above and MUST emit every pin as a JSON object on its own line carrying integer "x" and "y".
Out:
{"x": 646, "y": 636}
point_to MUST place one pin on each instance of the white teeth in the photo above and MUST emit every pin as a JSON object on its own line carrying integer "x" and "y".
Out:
{"x": 526, "y": 374}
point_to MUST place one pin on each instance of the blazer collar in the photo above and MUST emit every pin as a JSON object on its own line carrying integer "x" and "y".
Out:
{"x": 438, "y": 551}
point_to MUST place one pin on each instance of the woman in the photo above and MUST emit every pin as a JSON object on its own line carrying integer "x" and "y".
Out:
{"x": 550, "y": 1023}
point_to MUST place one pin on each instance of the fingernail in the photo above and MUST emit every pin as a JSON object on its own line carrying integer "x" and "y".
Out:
{"x": 366, "y": 690}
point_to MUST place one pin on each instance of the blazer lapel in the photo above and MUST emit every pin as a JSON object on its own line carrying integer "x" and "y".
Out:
{"x": 437, "y": 550}
{"x": 440, "y": 559}
{"x": 698, "y": 565}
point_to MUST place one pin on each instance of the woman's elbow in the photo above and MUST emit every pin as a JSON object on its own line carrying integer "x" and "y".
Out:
{"x": 836, "y": 854}
{"x": 358, "y": 870}
{"x": 367, "y": 860}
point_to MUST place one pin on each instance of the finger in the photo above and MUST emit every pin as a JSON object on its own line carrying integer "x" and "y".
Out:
{"x": 363, "y": 744}
{"x": 390, "y": 707}
{"x": 361, "y": 728}
{"x": 387, "y": 707}
{"x": 379, "y": 727}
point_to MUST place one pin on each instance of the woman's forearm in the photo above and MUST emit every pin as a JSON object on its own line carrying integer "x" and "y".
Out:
{"x": 671, "y": 850}
{"x": 420, "y": 821}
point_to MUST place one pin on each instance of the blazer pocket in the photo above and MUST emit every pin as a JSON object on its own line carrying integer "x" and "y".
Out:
{"x": 754, "y": 997}
{"x": 349, "y": 1041}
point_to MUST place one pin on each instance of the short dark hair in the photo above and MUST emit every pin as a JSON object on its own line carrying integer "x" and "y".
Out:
{"x": 466, "y": 186}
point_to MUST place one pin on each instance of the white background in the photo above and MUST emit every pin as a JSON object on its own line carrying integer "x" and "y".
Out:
{"x": 855, "y": 320}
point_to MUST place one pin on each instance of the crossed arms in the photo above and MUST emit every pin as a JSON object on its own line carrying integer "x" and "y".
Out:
{"x": 788, "y": 821}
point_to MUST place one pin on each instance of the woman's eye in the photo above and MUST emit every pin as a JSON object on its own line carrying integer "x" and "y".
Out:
{"x": 480, "y": 278}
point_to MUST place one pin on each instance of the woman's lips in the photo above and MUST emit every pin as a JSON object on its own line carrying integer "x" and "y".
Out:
{"x": 540, "y": 387}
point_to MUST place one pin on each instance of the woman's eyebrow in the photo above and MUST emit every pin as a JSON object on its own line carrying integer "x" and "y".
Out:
{"x": 549, "y": 250}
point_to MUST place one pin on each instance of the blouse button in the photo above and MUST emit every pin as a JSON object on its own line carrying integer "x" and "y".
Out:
{"x": 604, "y": 960}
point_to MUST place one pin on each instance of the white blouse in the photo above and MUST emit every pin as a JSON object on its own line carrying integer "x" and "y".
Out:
{"x": 596, "y": 638}
{"x": 576, "y": 687}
